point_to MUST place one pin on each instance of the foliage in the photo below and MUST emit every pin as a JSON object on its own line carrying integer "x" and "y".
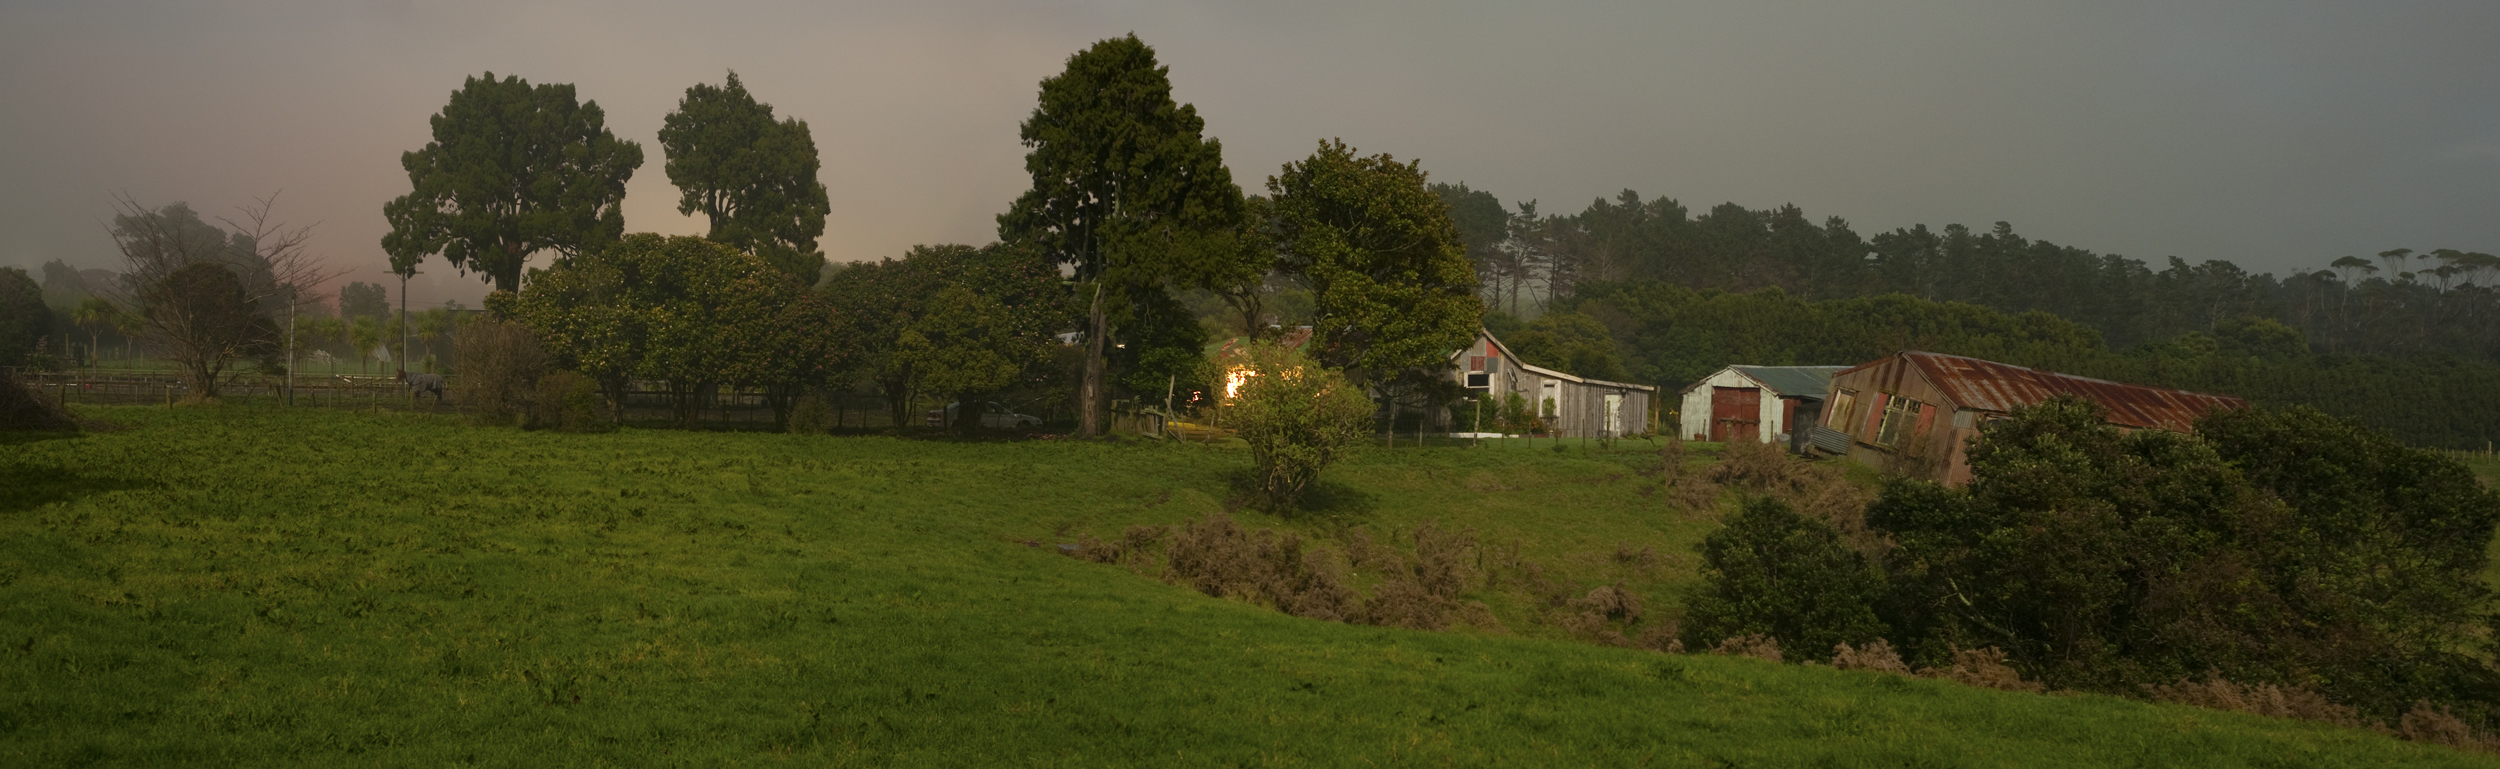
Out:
{"x": 952, "y": 320}
{"x": 205, "y": 320}
{"x": 1483, "y": 224}
{"x": 512, "y": 169}
{"x": 1388, "y": 274}
{"x": 24, "y": 320}
{"x": 500, "y": 362}
{"x": 754, "y": 177}
{"x": 1297, "y": 418}
{"x": 1772, "y": 572}
{"x": 359, "y": 299}
{"x": 567, "y": 402}
{"x": 2100, "y": 560}
{"x": 813, "y": 414}
{"x": 686, "y": 311}
{"x": 1126, "y": 191}
{"x": 1572, "y": 343}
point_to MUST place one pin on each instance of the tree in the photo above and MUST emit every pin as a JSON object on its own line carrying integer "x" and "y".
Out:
{"x": 513, "y": 169}
{"x": 1572, "y": 343}
{"x": 1483, "y": 226}
{"x": 951, "y": 319}
{"x": 686, "y": 311}
{"x": 430, "y": 326}
{"x": 204, "y": 318}
{"x": 1773, "y": 572}
{"x": 96, "y": 314}
{"x": 1388, "y": 273}
{"x": 1124, "y": 185}
{"x": 1298, "y": 418}
{"x": 754, "y": 177}
{"x": 365, "y": 334}
{"x": 24, "y": 320}
{"x": 364, "y": 300}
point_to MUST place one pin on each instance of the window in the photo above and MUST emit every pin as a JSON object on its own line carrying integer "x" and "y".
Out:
{"x": 1479, "y": 381}
{"x": 1475, "y": 363}
{"x": 1844, "y": 405}
{"x": 1899, "y": 413}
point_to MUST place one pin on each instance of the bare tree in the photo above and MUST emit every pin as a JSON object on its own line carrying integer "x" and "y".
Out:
{"x": 208, "y": 296}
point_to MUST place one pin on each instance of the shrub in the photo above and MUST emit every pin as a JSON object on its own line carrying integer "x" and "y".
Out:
{"x": 1984, "y": 668}
{"x": 566, "y": 401}
{"x": 1297, "y": 418}
{"x": 813, "y": 414}
{"x": 499, "y": 364}
{"x": 1757, "y": 646}
{"x": 21, "y": 408}
{"x": 1773, "y": 572}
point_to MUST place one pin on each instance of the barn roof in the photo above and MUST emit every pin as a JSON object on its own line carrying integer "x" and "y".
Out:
{"x": 1991, "y": 386}
{"x": 1811, "y": 381}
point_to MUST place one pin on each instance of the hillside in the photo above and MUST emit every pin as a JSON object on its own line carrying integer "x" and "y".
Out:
{"x": 248, "y": 586}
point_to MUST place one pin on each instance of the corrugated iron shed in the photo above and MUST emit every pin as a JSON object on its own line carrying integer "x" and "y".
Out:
{"x": 2000, "y": 387}
{"x": 1794, "y": 381}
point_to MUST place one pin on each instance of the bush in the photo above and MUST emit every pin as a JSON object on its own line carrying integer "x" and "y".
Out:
{"x": 568, "y": 402}
{"x": 813, "y": 414}
{"x": 1298, "y": 418}
{"x": 499, "y": 364}
{"x": 1775, "y": 573}
{"x": 21, "y": 408}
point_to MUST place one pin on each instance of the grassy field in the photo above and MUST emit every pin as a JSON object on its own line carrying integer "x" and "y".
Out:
{"x": 257, "y": 587}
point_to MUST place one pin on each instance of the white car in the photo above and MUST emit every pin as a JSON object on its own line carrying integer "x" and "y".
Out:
{"x": 993, "y": 416}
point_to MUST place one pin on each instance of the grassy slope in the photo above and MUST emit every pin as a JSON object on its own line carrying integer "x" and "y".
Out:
{"x": 247, "y": 586}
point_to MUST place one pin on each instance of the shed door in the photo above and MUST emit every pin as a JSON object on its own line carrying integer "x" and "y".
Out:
{"x": 1614, "y": 415}
{"x": 1735, "y": 412}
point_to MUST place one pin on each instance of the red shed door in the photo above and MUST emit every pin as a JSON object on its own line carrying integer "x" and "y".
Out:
{"x": 1735, "y": 413}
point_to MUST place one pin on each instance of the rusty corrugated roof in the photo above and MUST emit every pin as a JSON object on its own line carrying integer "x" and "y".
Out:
{"x": 1992, "y": 386}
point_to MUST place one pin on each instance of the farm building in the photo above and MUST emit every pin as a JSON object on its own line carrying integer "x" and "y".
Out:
{"x": 1754, "y": 402}
{"x": 1573, "y": 406}
{"x": 1915, "y": 412}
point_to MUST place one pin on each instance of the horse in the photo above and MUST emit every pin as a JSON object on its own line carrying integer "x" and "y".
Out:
{"x": 420, "y": 384}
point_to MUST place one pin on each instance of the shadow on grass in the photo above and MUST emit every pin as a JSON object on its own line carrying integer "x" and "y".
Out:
{"x": 26, "y": 487}
{"x": 1336, "y": 501}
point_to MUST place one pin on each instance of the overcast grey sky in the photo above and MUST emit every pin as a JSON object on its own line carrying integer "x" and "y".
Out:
{"x": 2279, "y": 134}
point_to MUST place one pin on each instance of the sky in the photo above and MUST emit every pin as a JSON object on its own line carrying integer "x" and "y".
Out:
{"x": 2279, "y": 135}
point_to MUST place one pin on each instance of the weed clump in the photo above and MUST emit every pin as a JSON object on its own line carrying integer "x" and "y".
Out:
{"x": 2217, "y": 693}
{"x": 1221, "y": 559}
{"x": 1761, "y": 647}
{"x": 1877, "y": 656}
{"x": 1984, "y": 668}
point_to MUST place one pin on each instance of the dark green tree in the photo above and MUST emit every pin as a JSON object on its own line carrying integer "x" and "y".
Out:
{"x": 1389, "y": 277}
{"x": 1773, "y": 572}
{"x": 359, "y": 299}
{"x": 753, "y": 176}
{"x": 650, "y": 307}
{"x": 1124, "y": 185}
{"x": 513, "y": 169}
{"x": 1571, "y": 342}
{"x": 951, "y": 320}
{"x": 1483, "y": 225}
{"x": 24, "y": 320}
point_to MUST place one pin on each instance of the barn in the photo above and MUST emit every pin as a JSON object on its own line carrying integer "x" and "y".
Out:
{"x": 1756, "y": 403}
{"x": 1914, "y": 413}
{"x": 1575, "y": 406}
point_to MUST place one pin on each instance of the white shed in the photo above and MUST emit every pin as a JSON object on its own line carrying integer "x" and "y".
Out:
{"x": 1759, "y": 402}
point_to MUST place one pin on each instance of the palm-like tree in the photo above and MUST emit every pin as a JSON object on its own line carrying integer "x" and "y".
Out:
{"x": 333, "y": 331}
{"x": 430, "y": 327}
{"x": 96, "y": 314}
{"x": 365, "y": 335}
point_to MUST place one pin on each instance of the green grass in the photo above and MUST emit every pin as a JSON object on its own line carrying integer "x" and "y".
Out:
{"x": 244, "y": 586}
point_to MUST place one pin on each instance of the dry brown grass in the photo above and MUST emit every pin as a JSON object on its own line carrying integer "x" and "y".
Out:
{"x": 1984, "y": 668}
{"x": 2261, "y": 699}
{"x": 1220, "y": 558}
{"x": 1761, "y": 647}
{"x": 21, "y": 408}
{"x": 1877, "y": 656}
{"x": 1820, "y": 490}
{"x": 1681, "y": 485}
{"x": 2433, "y": 724}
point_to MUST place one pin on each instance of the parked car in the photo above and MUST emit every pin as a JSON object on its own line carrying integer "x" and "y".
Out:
{"x": 993, "y": 416}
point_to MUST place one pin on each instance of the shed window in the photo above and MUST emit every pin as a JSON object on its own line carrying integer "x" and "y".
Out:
{"x": 1475, "y": 363}
{"x": 1844, "y": 405}
{"x": 1898, "y": 416}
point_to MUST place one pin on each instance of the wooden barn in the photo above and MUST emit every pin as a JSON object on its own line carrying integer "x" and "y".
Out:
{"x": 1756, "y": 403}
{"x": 1575, "y": 406}
{"x": 1915, "y": 413}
